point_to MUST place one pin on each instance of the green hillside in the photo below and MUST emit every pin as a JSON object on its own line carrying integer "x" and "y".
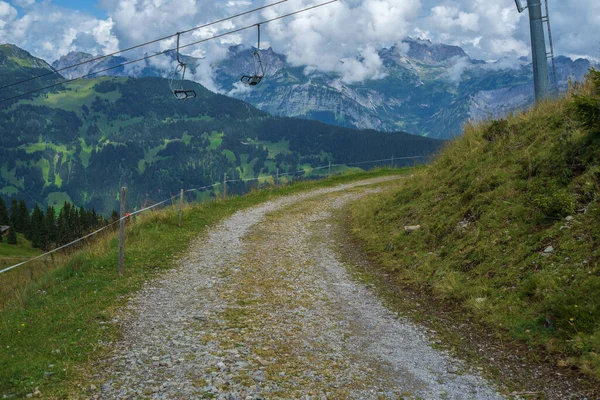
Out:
{"x": 85, "y": 139}
{"x": 509, "y": 234}
{"x": 17, "y": 65}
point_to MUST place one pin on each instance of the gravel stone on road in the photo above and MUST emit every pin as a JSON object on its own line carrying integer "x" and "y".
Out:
{"x": 264, "y": 308}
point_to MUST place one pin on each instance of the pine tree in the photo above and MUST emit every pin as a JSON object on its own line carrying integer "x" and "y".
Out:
{"x": 4, "y": 220}
{"x": 24, "y": 219}
{"x": 50, "y": 223}
{"x": 14, "y": 214}
{"x": 62, "y": 226}
{"x": 37, "y": 228}
{"x": 12, "y": 236}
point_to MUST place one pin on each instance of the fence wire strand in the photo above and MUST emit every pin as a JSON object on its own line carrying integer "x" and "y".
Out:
{"x": 172, "y": 198}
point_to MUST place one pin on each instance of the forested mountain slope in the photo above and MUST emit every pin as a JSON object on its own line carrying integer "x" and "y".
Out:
{"x": 425, "y": 88}
{"x": 83, "y": 140}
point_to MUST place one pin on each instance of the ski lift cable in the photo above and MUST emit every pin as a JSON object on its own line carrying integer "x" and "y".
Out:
{"x": 172, "y": 198}
{"x": 168, "y": 51}
{"x": 55, "y": 71}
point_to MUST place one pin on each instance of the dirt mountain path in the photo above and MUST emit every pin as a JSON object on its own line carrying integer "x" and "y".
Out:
{"x": 263, "y": 308}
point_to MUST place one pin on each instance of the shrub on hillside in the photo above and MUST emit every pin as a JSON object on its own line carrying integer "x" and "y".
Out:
{"x": 497, "y": 129}
{"x": 587, "y": 106}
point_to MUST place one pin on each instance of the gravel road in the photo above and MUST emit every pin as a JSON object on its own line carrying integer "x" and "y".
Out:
{"x": 263, "y": 308}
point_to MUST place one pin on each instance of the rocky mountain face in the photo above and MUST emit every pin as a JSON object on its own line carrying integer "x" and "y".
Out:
{"x": 76, "y": 58}
{"x": 430, "y": 89}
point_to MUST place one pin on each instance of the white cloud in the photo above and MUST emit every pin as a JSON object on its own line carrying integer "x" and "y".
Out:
{"x": 486, "y": 30}
{"x": 449, "y": 17}
{"x": 458, "y": 65}
{"x": 49, "y": 31}
{"x": 7, "y": 15}
{"x": 23, "y": 3}
{"x": 343, "y": 37}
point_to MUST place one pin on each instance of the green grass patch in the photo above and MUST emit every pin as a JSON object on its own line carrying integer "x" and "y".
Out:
{"x": 77, "y": 93}
{"x": 57, "y": 180}
{"x": 274, "y": 148}
{"x": 9, "y": 191}
{"x": 216, "y": 138}
{"x": 21, "y": 249}
{"x": 57, "y": 199}
{"x": 85, "y": 153}
{"x": 56, "y": 324}
{"x": 230, "y": 155}
{"x": 34, "y": 147}
{"x": 509, "y": 231}
{"x": 44, "y": 166}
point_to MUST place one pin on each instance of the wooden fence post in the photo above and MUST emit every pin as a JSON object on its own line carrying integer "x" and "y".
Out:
{"x": 180, "y": 207}
{"x": 122, "y": 230}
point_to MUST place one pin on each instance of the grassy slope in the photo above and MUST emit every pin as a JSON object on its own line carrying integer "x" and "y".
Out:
{"x": 58, "y": 323}
{"x": 21, "y": 249}
{"x": 490, "y": 207}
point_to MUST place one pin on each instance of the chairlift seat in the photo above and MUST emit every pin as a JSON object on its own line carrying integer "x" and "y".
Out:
{"x": 175, "y": 83}
{"x": 251, "y": 80}
{"x": 259, "y": 67}
{"x": 184, "y": 94}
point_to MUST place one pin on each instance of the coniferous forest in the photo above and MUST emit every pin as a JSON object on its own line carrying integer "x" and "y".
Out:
{"x": 50, "y": 229}
{"x": 80, "y": 142}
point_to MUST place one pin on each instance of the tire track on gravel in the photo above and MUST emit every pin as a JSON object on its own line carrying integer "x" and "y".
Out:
{"x": 263, "y": 308}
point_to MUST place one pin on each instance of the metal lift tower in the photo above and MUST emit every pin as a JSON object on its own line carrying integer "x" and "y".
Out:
{"x": 541, "y": 79}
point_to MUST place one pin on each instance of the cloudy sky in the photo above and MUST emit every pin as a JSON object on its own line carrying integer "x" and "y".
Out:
{"x": 349, "y": 30}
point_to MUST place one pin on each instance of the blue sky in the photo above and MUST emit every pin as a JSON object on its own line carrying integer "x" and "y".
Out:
{"x": 88, "y": 6}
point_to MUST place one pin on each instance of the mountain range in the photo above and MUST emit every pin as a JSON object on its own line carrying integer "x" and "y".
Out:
{"x": 430, "y": 89}
{"x": 81, "y": 141}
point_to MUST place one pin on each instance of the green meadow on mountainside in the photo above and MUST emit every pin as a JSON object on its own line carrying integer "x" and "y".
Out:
{"x": 83, "y": 140}
{"x": 509, "y": 218}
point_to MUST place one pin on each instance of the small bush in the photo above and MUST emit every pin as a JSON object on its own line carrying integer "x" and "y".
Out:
{"x": 587, "y": 107}
{"x": 496, "y": 130}
{"x": 556, "y": 205}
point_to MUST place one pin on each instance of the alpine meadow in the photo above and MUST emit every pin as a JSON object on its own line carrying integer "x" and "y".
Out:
{"x": 299, "y": 199}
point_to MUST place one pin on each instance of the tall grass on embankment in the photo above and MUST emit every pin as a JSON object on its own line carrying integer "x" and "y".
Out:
{"x": 55, "y": 325}
{"x": 510, "y": 227}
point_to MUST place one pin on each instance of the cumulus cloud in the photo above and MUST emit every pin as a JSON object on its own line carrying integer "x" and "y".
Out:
{"x": 7, "y": 15}
{"x": 49, "y": 31}
{"x": 342, "y": 38}
{"x": 484, "y": 29}
{"x": 458, "y": 65}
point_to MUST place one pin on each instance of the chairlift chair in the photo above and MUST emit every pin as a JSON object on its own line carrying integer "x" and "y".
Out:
{"x": 176, "y": 84}
{"x": 259, "y": 68}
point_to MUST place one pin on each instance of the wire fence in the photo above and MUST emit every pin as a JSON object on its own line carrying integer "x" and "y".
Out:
{"x": 274, "y": 177}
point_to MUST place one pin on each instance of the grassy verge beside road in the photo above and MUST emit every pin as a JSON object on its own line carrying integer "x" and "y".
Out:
{"x": 55, "y": 325}
{"x": 509, "y": 230}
